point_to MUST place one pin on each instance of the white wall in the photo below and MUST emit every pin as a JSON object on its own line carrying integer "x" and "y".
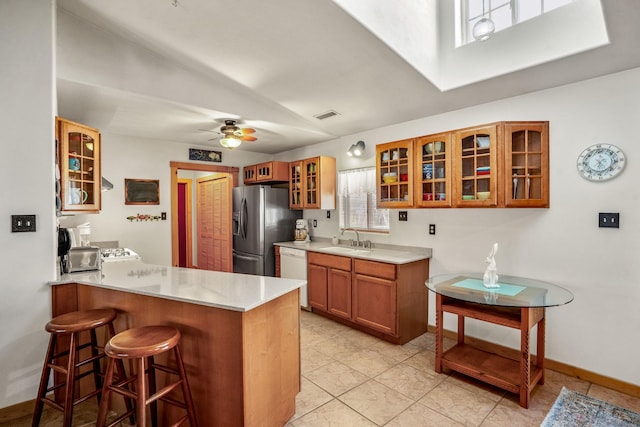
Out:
{"x": 562, "y": 244}
{"x": 27, "y": 260}
{"x": 127, "y": 157}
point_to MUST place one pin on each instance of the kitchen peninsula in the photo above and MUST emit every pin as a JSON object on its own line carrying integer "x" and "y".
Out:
{"x": 240, "y": 333}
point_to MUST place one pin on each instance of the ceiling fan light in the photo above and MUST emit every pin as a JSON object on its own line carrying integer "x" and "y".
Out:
{"x": 230, "y": 142}
{"x": 483, "y": 29}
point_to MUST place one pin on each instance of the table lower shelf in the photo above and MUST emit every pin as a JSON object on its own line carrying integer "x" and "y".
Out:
{"x": 488, "y": 367}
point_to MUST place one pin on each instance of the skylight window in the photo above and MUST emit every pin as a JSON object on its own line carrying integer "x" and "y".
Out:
{"x": 503, "y": 13}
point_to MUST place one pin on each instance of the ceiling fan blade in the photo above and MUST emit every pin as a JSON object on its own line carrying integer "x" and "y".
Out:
{"x": 208, "y": 130}
{"x": 246, "y": 131}
{"x": 248, "y": 138}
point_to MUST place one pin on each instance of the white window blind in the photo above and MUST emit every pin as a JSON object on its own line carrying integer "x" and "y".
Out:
{"x": 357, "y": 201}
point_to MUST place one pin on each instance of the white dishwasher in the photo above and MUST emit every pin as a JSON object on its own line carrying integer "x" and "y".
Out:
{"x": 293, "y": 265}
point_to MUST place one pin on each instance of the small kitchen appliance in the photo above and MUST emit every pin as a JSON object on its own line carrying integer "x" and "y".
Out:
{"x": 84, "y": 258}
{"x": 64, "y": 244}
{"x": 301, "y": 233}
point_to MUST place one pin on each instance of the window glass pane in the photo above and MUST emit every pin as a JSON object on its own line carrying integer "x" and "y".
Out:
{"x": 553, "y": 4}
{"x": 528, "y": 10}
{"x": 357, "y": 201}
{"x": 502, "y": 17}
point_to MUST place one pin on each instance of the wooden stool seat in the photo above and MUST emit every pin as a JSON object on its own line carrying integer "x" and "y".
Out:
{"x": 143, "y": 344}
{"x": 68, "y": 362}
{"x": 77, "y": 321}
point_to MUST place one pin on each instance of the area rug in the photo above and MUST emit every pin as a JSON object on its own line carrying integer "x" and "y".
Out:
{"x": 576, "y": 409}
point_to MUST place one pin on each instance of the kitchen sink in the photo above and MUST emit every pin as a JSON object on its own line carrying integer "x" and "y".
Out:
{"x": 344, "y": 250}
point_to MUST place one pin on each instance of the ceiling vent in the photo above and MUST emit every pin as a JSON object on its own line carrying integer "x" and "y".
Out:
{"x": 326, "y": 115}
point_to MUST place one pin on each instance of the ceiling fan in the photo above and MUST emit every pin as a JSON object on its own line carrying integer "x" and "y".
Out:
{"x": 233, "y": 135}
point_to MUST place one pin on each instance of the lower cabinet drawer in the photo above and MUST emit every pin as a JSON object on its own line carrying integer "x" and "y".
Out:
{"x": 375, "y": 269}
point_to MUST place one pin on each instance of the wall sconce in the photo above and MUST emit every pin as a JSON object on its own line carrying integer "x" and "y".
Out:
{"x": 356, "y": 150}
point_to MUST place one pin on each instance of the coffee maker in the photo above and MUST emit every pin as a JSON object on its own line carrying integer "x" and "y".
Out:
{"x": 64, "y": 245}
{"x": 301, "y": 234}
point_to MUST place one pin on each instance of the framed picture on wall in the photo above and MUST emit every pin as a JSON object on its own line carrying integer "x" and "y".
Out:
{"x": 205, "y": 155}
{"x": 141, "y": 191}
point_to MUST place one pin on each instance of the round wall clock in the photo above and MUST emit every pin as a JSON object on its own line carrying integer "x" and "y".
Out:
{"x": 601, "y": 162}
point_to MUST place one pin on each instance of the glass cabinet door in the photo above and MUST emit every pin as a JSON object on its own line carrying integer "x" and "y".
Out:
{"x": 476, "y": 167}
{"x": 395, "y": 174}
{"x": 311, "y": 169}
{"x": 433, "y": 171}
{"x": 80, "y": 168}
{"x": 526, "y": 168}
{"x": 295, "y": 185}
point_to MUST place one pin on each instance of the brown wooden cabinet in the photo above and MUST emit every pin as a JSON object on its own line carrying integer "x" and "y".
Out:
{"x": 433, "y": 172}
{"x": 476, "y": 167}
{"x": 80, "y": 167}
{"x": 502, "y": 164}
{"x": 386, "y": 300}
{"x": 312, "y": 183}
{"x": 267, "y": 172}
{"x": 526, "y": 169}
{"x": 395, "y": 174}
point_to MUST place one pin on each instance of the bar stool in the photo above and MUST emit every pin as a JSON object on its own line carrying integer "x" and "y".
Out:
{"x": 70, "y": 325}
{"x": 143, "y": 344}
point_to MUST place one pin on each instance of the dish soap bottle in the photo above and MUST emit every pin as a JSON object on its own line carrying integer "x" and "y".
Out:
{"x": 334, "y": 240}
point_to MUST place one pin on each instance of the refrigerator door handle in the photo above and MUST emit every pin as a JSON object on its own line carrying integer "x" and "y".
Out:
{"x": 244, "y": 215}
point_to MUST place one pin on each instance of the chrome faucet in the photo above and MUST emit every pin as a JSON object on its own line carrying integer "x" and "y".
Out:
{"x": 357, "y": 242}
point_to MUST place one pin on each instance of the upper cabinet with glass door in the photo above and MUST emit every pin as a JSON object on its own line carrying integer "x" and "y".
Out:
{"x": 312, "y": 183}
{"x": 432, "y": 173}
{"x": 526, "y": 170}
{"x": 79, "y": 164}
{"x": 394, "y": 169}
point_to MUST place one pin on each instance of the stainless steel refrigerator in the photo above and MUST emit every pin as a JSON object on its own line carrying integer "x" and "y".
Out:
{"x": 261, "y": 217}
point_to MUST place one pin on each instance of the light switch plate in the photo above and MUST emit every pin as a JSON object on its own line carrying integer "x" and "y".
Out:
{"x": 609, "y": 220}
{"x": 23, "y": 223}
{"x": 402, "y": 215}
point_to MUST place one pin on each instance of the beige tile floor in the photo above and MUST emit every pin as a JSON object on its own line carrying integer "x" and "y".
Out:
{"x": 353, "y": 379}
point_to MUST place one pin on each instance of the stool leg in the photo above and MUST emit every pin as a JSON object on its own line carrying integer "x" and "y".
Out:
{"x": 186, "y": 390}
{"x": 70, "y": 385}
{"x": 106, "y": 391}
{"x": 96, "y": 363}
{"x": 44, "y": 381}
{"x": 122, "y": 375}
{"x": 152, "y": 391}
{"x": 141, "y": 416}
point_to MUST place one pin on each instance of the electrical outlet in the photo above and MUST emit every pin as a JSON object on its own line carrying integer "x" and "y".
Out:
{"x": 21, "y": 223}
{"x": 315, "y": 223}
{"x": 432, "y": 229}
{"x": 163, "y": 216}
{"x": 328, "y": 214}
{"x": 402, "y": 215}
{"x": 609, "y": 220}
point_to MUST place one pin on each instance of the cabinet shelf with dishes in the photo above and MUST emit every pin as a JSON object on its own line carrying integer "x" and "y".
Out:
{"x": 502, "y": 164}
{"x": 394, "y": 174}
{"x": 433, "y": 171}
{"x": 477, "y": 167}
{"x": 79, "y": 166}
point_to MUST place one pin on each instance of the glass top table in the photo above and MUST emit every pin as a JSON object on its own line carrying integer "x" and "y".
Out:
{"x": 512, "y": 291}
{"x": 517, "y": 303}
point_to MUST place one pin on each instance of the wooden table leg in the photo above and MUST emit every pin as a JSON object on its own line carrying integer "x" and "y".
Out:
{"x": 439, "y": 327}
{"x": 460, "y": 329}
{"x": 540, "y": 350}
{"x": 525, "y": 358}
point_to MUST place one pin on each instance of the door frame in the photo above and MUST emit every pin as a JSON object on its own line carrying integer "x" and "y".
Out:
{"x": 188, "y": 183}
{"x": 175, "y": 167}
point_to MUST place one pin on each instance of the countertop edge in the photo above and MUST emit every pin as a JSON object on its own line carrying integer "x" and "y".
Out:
{"x": 411, "y": 254}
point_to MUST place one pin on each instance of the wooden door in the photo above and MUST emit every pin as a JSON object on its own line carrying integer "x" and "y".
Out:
{"x": 214, "y": 223}
{"x": 375, "y": 303}
{"x": 339, "y": 293}
{"x": 317, "y": 286}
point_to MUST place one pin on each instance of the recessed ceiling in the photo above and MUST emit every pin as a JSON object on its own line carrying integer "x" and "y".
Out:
{"x": 152, "y": 70}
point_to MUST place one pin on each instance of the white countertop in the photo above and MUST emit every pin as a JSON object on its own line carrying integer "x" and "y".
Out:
{"x": 230, "y": 291}
{"x": 390, "y": 254}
